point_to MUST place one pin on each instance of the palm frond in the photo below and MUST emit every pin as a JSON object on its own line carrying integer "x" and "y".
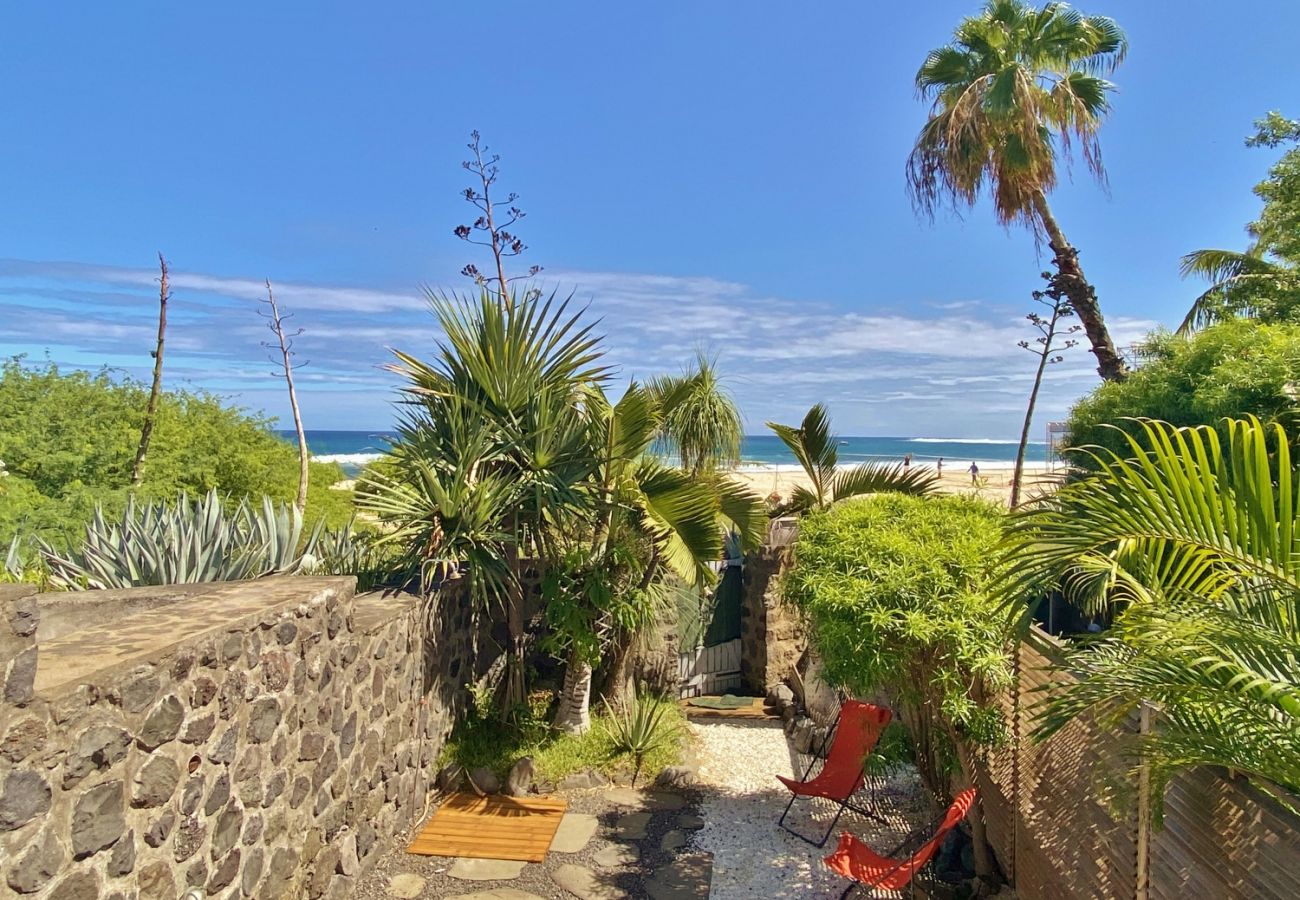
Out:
{"x": 879, "y": 478}
{"x": 1195, "y": 543}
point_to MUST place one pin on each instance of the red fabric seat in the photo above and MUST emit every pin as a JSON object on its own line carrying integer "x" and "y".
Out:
{"x": 855, "y": 860}
{"x": 859, "y": 729}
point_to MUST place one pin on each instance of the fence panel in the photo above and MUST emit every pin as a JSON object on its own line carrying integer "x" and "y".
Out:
{"x": 1056, "y": 836}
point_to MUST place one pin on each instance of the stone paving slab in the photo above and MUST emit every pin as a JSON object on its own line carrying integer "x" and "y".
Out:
{"x": 632, "y": 826}
{"x": 688, "y": 877}
{"x": 617, "y": 856}
{"x": 467, "y": 869}
{"x": 496, "y": 894}
{"x": 586, "y": 884}
{"x": 574, "y": 833}
{"x": 406, "y": 886}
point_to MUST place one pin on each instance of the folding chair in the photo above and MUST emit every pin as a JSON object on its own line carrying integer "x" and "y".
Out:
{"x": 865, "y": 868}
{"x": 852, "y": 737}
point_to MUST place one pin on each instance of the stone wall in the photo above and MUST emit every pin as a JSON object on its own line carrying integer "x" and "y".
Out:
{"x": 772, "y": 637}
{"x": 259, "y": 739}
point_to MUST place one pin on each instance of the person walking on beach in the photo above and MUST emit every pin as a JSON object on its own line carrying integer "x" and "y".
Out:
{"x": 974, "y": 473}
{"x": 907, "y": 461}
{"x": 940, "y": 467}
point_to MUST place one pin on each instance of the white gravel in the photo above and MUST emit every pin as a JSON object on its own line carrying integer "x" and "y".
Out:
{"x": 752, "y": 856}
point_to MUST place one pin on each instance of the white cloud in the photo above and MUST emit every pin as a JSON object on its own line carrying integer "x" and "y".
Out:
{"x": 951, "y": 366}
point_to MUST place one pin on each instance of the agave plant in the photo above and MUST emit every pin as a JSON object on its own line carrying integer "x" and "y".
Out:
{"x": 13, "y": 565}
{"x": 816, "y": 448}
{"x": 639, "y": 728}
{"x": 184, "y": 543}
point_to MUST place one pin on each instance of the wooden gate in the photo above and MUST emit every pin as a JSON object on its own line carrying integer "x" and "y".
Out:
{"x": 712, "y": 666}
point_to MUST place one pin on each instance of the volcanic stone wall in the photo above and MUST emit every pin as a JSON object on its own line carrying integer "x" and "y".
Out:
{"x": 257, "y": 739}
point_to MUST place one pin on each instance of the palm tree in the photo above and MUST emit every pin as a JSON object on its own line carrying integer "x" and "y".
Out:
{"x": 672, "y": 518}
{"x": 1016, "y": 87}
{"x": 818, "y": 452}
{"x": 1246, "y": 284}
{"x": 700, "y": 419}
{"x": 1197, "y": 547}
{"x": 494, "y": 451}
{"x": 1264, "y": 281}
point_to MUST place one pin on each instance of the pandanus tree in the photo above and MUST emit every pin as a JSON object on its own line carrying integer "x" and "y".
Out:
{"x": 493, "y": 452}
{"x": 1016, "y": 89}
{"x": 1192, "y": 540}
{"x": 699, "y": 420}
{"x": 817, "y": 450}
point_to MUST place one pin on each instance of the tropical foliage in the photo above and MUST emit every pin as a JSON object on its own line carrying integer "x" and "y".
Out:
{"x": 512, "y": 457}
{"x": 1194, "y": 539}
{"x": 639, "y": 727}
{"x": 1232, "y": 369}
{"x": 491, "y": 451}
{"x": 1264, "y": 280}
{"x": 701, "y": 422}
{"x": 70, "y": 438}
{"x": 817, "y": 450}
{"x": 184, "y": 543}
{"x": 895, "y": 590}
{"x": 1017, "y": 88}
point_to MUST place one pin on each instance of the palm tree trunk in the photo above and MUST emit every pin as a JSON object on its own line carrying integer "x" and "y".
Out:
{"x": 1072, "y": 282}
{"x": 151, "y": 411}
{"x": 618, "y": 682}
{"x": 978, "y": 834}
{"x": 574, "y": 712}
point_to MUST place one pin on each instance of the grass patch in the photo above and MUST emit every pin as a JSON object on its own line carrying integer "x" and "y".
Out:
{"x": 481, "y": 740}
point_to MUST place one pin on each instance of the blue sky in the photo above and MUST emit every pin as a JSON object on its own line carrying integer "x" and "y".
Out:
{"x": 719, "y": 175}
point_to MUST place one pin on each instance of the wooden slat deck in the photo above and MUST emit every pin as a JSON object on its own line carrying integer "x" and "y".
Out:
{"x": 493, "y": 827}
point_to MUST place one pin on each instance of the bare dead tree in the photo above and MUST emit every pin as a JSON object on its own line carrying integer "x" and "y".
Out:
{"x": 151, "y": 411}
{"x": 282, "y": 357}
{"x": 1049, "y": 327}
{"x": 490, "y": 229}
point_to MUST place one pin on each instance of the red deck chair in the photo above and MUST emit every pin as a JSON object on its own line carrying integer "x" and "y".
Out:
{"x": 858, "y": 862}
{"x": 854, "y": 735}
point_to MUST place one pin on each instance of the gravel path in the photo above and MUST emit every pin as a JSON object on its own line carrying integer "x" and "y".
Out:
{"x": 752, "y": 856}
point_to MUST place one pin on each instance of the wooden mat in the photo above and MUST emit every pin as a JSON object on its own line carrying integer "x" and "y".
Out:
{"x": 754, "y": 710}
{"x": 493, "y": 827}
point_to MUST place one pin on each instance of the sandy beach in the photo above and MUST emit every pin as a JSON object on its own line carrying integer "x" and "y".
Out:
{"x": 994, "y": 481}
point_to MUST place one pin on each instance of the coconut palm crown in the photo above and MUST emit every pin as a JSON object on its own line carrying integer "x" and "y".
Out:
{"x": 1015, "y": 90}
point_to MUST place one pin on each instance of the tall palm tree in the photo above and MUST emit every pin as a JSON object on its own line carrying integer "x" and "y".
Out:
{"x": 1197, "y": 546}
{"x": 700, "y": 420}
{"x": 817, "y": 450}
{"x": 1016, "y": 88}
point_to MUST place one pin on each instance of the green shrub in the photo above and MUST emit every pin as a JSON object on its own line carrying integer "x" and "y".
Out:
{"x": 893, "y": 588}
{"x": 70, "y": 439}
{"x": 482, "y": 739}
{"x": 1233, "y": 369}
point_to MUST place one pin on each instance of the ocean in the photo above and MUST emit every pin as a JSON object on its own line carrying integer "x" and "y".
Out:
{"x": 353, "y": 449}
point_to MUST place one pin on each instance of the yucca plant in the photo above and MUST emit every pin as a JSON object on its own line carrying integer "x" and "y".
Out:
{"x": 183, "y": 543}
{"x": 638, "y": 727}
